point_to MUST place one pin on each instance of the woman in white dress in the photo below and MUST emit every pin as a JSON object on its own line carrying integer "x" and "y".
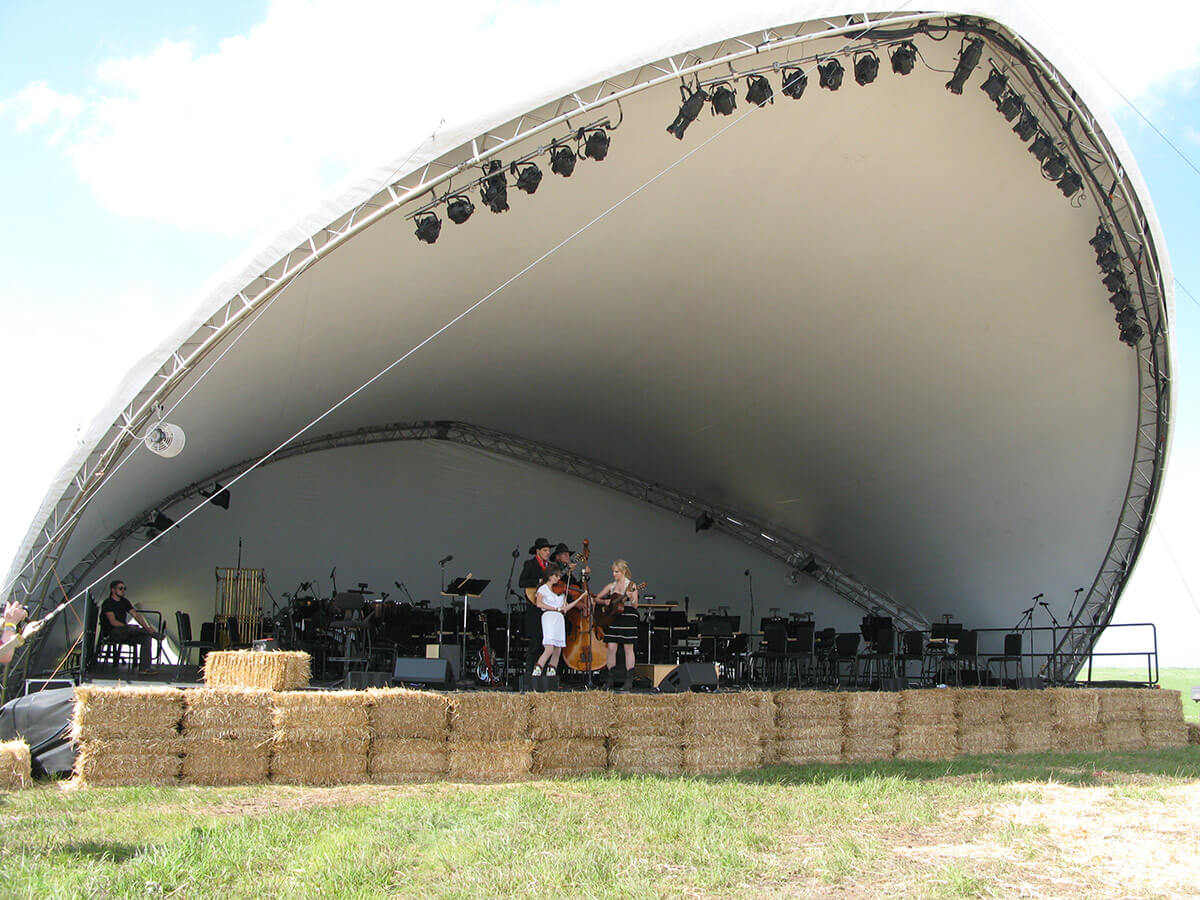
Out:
{"x": 554, "y": 623}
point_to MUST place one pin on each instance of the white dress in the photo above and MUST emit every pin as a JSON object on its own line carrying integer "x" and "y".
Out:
{"x": 554, "y": 624}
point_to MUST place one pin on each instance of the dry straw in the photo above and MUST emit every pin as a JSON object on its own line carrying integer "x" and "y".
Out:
{"x": 807, "y": 706}
{"x": 979, "y": 739}
{"x": 570, "y": 756}
{"x": 230, "y": 714}
{"x": 936, "y": 741}
{"x": 126, "y": 713}
{"x": 712, "y": 756}
{"x": 647, "y": 715}
{"x": 395, "y": 761}
{"x": 1161, "y": 706}
{"x": 646, "y": 754}
{"x": 124, "y": 762}
{"x": 489, "y": 716}
{"x": 872, "y": 723}
{"x": 1074, "y": 708}
{"x": 14, "y": 766}
{"x": 741, "y": 716}
{"x": 928, "y": 708}
{"x": 490, "y": 760}
{"x": 1083, "y": 739}
{"x": 273, "y": 671}
{"x": 578, "y": 714}
{"x": 1121, "y": 735}
{"x": 1027, "y": 708}
{"x": 328, "y": 716}
{"x": 399, "y": 714}
{"x": 1120, "y": 705}
{"x": 1193, "y": 733}
{"x": 801, "y": 751}
{"x": 1165, "y": 734}
{"x": 312, "y": 762}
{"x": 978, "y": 707}
{"x": 224, "y": 761}
{"x": 1030, "y": 737}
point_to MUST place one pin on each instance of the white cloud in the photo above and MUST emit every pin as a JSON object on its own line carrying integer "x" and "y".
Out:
{"x": 39, "y": 104}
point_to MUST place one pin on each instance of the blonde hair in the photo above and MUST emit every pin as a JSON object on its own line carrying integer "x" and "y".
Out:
{"x": 624, "y": 567}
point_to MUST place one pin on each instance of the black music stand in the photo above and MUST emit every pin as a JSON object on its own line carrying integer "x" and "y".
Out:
{"x": 465, "y": 588}
{"x": 347, "y": 603}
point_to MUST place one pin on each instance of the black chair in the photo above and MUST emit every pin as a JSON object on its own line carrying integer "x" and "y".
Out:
{"x": 845, "y": 653}
{"x": 824, "y": 653}
{"x": 799, "y": 655}
{"x": 879, "y": 662}
{"x": 766, "y": 663}
{"x": 1010, "y": 657}
{"x": 963, "y": 665}
{"x": 183, "y": 625}
{"x": 912, "y": 649}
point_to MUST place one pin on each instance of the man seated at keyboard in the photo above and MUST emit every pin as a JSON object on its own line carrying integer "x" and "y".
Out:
{"x": 114, "y": 626}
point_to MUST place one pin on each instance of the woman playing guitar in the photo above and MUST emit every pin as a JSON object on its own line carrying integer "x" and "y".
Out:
{"x": 621, "y": 597}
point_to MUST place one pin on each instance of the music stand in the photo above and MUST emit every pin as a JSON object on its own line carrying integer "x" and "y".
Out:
{"x": 464, "y": 588}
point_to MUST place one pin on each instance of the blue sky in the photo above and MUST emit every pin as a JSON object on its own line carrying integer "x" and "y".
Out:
{"x": 147, "y": 145}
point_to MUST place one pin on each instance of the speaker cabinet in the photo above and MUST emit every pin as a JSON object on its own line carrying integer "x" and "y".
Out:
{"x": 691, "y": 676}
{"x": 417, "y": 670}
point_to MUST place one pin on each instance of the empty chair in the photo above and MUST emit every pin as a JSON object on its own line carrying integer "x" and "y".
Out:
{"x": 1009, "y": 660}
{"x": 912, "y": 649}
{"x": 824, "y": 653}
{"x": 879, "y": 662}
{"x": 845, "y": 656}
{"x": 183, "y": 625}
{"x": 963, "y": 665}
{"x": 799, "y": 651}
{"x": 767, "y": 662}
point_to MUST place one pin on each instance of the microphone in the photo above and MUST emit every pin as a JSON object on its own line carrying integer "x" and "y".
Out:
{"x": 1043, "y": 603}
{"x": 1039, "y": 596}
{"x": 445, "y": 559}
{"x": 516, "y": 552}
{"x": 747, "y": 572}
{"x": 331, "y": 571}
{"x": 398, "y": 585}
{"x": 1028, "y": 611}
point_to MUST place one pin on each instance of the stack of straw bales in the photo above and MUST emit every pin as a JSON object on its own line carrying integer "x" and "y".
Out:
{"x": 1076, "y": 715}
{"x": 981, "y": 727}
{"x": 808, "y": 728}
{"x": 14, "y": 766}
{"x": 127, "y": 735}
{"x": 320, "y": 737}
{"x": 1162, "y": 719}
{"x": 489, "y": 737}
{"x": 1121, "y": 720}
{"x": 1193, "y": 733}
{"x": 226, "y": 736}
{"x": 1029, "y": 719}
{"x": 928, "y": 725}
{"x": 647, "y": 734}
{"x": 274, "y": 671}
{"x": 726, "y": 732}
{"x": 409, "y": 734}
{"x": 872, "y": 723}
{"x": 570, "y": 732}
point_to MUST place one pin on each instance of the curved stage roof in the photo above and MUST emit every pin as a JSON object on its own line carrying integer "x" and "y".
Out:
{"x": 864, "y": 329}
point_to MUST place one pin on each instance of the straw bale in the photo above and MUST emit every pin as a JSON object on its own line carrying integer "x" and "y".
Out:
{"x": 804, "y": 749}
{"x": 1077, "y": 739}
{"x": 401, "y": 713}
{"x": 312, "y": 762}
{"x": 881, "y": 729}
{"x": 649, "y": 715}
{"x": 1193, "y": 733}
{"x": 916, "y": 741}
{"x": 1161, "y": 706}
{"x": 577, "y": 714}
{"x": 872, "y": 706}
{"x": 1122, "y": 735}
{"x": 326, "y": 716}
{"x": 1165, "y": 734}
{"x": 738, "y": 715}
{"x": 1074, "y": 708}
{"x": 227, "y": 714}
{"x": 407, "y": 759}
{"x": 570, "y": 756}
{"x": 489, "y": 716}
{"x": 277, "y": 670}
{"x": 927, "y": 707}
{"x": 126, "y": 713}
{"x": 14, "y": 765}
{"x": 1030, "y": 737}
{"x": 646, "y": 754}
{"x": 990, "y": 739}
{"x": 490, "y": 760}
{"x": 813, "y": 730}
{"x": 1027, "y": 708}
{"x": 709, "y": 757}
{"x": 795, "y": 706}
{"x": 124, "y": 762}
{"x": 225, "y": 761}
{"x": 1120, "y": 705}
{"x": 979, "y": 706}
{"x": 862, "y": 750}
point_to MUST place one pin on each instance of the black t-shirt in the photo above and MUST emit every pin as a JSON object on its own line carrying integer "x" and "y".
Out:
{"x": 119, "y": 608}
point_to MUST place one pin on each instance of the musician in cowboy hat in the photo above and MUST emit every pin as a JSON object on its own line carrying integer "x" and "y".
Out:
{"x": 533, "y": 573}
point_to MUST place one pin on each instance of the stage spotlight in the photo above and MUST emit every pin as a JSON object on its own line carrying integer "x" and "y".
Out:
{"x": 158, "y": 524}
{"x": 1131, "y": 334}
{"x": 1042, "y": 146}
{"x": 165, "y": 440}
{"x": 1070, "y": 182}
{"x": 218, "y": 496}
{"x": 759, "y": 91}
{"x": 692, "y": 104}
{"x": 562, "y": 161}
{"x": 724, "y": 100}
{"x": 1115, "y": 282}
{"x": 1126, "y": 315}
{"x": 494, "y": 191}
{"x": 1028, "y": 126}
{"x": 968, "y": 59}
{"x": 429, "y": 227}
{"x": 704, "y": 521}
{"x": 1010, "y": 107}
{"x": 831, "y": 74}
{"x": 904, "y": 57}
{"x": 528, "y": 177}
{"x": 459, "y": 209}
{"x": 1055, "y": 166}
{"x": 1101, "y": 240}
{"x": 1120, "y": 298}
{"x": 794, "y": 83}
{"x": 866, "y": 67}
{"x": 596, "y": 145}
{"x": 1108, "y": 261}
{"x": 995, "y": 85}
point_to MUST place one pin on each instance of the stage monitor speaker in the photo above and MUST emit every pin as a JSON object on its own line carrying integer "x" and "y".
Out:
{"x": 449, "y": 652}
{"x": 689, "y": 677}
{"x": 417, "y": 670}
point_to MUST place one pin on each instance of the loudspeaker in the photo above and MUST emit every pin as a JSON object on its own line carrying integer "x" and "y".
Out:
{"x": 360, "y": 681}
{"x": 450, "y": 652}
{"x": 1031, "y": 684}
{"x": 689, "y": 677}
{"x": 416, "y": 670}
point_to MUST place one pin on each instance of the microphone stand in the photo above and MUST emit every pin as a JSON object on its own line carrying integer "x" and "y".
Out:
{"x": 508, "y": 617}
{"x": 1052, "y": 661}
{"x": 442, "y": 609}
{"x": 1023, "y": 625}
{"x": 751, "y": 583}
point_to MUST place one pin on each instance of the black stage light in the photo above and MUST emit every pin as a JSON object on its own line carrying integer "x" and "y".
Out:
{"x": 562, "y": 161}
{"x": 1108, "y": 261}
{"x": 1120, "y": 298}
{"x": 904, "y": 57}
{"x": 1028, "y": 126}
{"x": 1055, "y": 166}
{"x": 459, "y": 209}
{"x": 995, "y": 85}
{"x": 692, "y": 104}
{"x": 429, "y": 227}
{"x": 1131, "y": 334}
{"x": 1126, "y": 315}
{"x": 528, "y": 177}
{"x": 758, "y": 91}
{"x": 219, "y": 496}
{"x": 831, "y": 74}
{"x": 866, "y": 67}
{"x": 704, "y": 521}
{"x": 596, "y": 145}
{"x": 1115, "y": 282}
{"x": 724, "y": 100}
{"x": 494, "y": 190}
{"x": 794, "y": 83}
{"x": 158, "y": 524}
{"x": 1010, "y": 107}
{"x": 968, "y": 59}
{"x": 1042, "y": 146}
{"x": 1101, "y": 240}
{"x": 1070, "y": 182}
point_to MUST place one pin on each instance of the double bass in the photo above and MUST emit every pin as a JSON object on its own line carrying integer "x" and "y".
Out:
{"x": 585, "y": 650}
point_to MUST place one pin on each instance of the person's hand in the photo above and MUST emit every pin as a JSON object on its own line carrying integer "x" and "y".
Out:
{"x": 14, "y": 613}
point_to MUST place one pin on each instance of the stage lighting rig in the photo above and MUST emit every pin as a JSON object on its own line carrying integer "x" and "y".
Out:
{"x": 1070, "y": 182}
{"x": 794, "y": 83}
{"x": 724, "y": 100}
{"x": 1055, "y": 166}
{"x": 596, "y": 145}
{"x": 704, "y": 521}
{"x": 904, "y": 57}
{"x": 157, "y": 525}
{"x": 1108, "y": 261}
{"x": 866, "y": 67}
{"x": 562, "y": 161}
{"x": 1102, "y": 240}
{"x": 1028, "y": 126}
{"x": 1115, "y": 282}
{"x": 528, "y": 176}
{"x": 1131, "y": 334}
{"x": 1042, "y": 146}
{"x": 995, "y": 85}
{"x": 429, "y": 227}
{"x": 692, "y": 104}
{"x": 1126, "y": 315}
{"x": 831, "y": 74}
{"x": 459, "y": 209}
{"x": 494, "y": 191}
{"x": 1010, "y": 106}
{"x": 218, "y": 496}
{"x": 759, "y": 92}
{"x": 1120, "y": 298}
{"x": 968, "y": 59}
